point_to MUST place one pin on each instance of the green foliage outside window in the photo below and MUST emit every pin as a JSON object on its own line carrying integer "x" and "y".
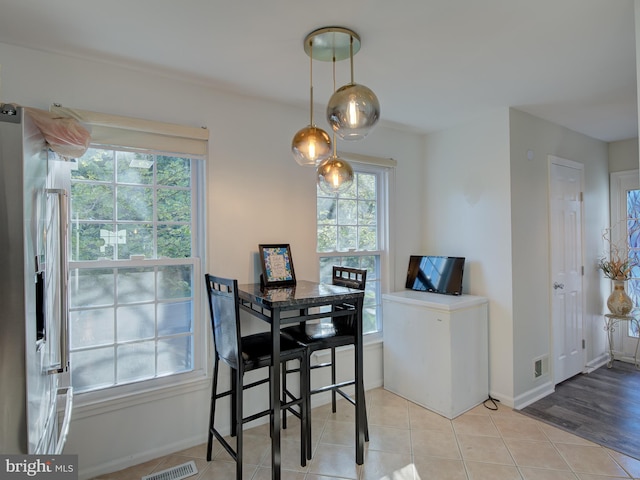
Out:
{"x": 349, "y": 221}
{"x": 130, "y": 203}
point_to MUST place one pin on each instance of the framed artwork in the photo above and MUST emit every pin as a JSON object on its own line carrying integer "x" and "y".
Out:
{"x": 277, "y": 265}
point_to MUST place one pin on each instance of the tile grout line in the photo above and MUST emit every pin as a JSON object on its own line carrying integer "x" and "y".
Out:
{"x": 464, "y": 463}
{"x": 518, "y": 469}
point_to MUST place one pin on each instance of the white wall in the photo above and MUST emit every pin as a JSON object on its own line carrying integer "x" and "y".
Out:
{"x": 623, "y": 155}
{"x": 468, "y": 213}
{"x": 256, "y": 194}
{"x": 530, "y": 232}
{"x": 487, "y": 201}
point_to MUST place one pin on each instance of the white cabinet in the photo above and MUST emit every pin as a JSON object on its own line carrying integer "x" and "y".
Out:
{"x": 436, "y": 351}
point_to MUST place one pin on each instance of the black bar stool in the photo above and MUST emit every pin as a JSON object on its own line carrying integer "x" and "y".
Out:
{"x": 322, "y": 336}
{"x": 243, "y": 354}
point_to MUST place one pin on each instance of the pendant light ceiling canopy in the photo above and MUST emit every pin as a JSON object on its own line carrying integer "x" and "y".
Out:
{"x": 331, "y": 43}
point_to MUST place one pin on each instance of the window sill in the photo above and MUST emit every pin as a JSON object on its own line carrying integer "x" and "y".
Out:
{"x": 372, "y": 339}
{"x": 93, "y": 403}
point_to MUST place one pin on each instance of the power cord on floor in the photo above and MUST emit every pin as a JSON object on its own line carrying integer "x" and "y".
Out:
{"x": 493, "y": 405}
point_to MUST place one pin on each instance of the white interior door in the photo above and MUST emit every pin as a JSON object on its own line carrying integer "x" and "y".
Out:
{"x": 565, "y": 203}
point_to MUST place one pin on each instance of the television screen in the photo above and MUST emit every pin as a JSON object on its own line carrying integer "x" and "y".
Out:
{"x": 435, "y": 274}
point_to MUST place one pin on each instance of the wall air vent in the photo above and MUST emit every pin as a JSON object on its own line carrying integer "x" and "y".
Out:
{"x": 540, "y": 366}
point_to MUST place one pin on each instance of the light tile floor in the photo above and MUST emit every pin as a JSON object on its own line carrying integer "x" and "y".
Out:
{"x": 408, "y": 442}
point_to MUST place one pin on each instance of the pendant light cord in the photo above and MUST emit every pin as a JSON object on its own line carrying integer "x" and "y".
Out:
{"x": 350, "y": 56}
{"x": 335, "y": 147}
{"x": 311, "y": 82}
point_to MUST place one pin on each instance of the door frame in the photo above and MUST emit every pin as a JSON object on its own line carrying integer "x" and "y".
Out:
{"x": 620, "y": 182}
{"x": 551, "y": 160}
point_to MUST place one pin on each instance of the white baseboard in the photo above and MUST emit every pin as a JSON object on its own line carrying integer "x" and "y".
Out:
{"x": 139, "y": 457}
{"x": 506, "y": 400}
{"x": 596, "y": 363}
{"x": 533, "y": 395}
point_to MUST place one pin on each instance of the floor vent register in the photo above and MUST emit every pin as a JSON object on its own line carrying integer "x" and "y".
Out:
{"x": 174, "y": 473}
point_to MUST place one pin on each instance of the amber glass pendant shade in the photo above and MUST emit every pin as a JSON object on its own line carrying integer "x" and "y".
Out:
{"x": 335, "y": 175}
{"x": 353, "y": 110}
{"x": 310, "y": 146}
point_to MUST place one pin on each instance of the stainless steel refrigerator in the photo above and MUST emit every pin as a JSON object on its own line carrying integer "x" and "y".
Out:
{"x": 35, "y": 397}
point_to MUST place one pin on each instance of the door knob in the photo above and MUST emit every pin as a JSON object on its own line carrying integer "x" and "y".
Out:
{"x": 557, "y": 285}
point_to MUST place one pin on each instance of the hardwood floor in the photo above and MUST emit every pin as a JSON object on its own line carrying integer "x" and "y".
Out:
{"x": 602, "y": 406}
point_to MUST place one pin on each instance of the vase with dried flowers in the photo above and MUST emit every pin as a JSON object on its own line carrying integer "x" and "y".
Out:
{"x": 617, "y": 267}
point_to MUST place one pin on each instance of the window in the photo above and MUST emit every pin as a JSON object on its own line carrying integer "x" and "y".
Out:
{"x": 625, "y": 218}
{"x": 351, "y": 231}
{"x": 133, "y": 272}
{"x": 633, "y": 242}
{"x": 136, "y": 247}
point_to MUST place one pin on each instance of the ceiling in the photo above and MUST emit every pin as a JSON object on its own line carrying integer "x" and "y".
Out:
{"x": 432, "y": 63}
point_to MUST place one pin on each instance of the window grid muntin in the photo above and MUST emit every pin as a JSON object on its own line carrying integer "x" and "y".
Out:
{"x": 117, "y": 304}
{"x": 353, "y": 196}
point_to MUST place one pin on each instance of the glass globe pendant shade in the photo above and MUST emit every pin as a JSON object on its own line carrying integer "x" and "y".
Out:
{"x": 310, "y": 146}
{"x": 352, "y": 111}
{"x": 335, "y": 175}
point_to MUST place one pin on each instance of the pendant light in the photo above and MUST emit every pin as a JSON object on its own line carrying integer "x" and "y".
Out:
{"x": 353, "y": 110}
{"x": 335, "y": 175}
{"x": 311, "y": 144}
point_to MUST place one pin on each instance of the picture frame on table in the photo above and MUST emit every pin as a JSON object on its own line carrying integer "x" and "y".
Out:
{"x": 277, "y": 265}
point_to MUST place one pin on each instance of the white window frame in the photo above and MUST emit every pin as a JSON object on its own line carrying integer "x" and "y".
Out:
{"x": 384, "y": 170}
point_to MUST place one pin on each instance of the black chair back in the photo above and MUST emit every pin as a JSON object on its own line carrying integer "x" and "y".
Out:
{"x": 349, "y": 277}
{"x": 225, "y": 318}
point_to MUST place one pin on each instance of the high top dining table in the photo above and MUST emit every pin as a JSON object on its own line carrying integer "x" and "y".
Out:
{"x": 300, "y": 303}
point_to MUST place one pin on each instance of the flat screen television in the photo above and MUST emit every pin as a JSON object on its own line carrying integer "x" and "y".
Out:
{"x": 436, "y": 274}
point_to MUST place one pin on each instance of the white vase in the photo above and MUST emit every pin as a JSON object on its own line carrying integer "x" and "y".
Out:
{"x": 619, "y": 303}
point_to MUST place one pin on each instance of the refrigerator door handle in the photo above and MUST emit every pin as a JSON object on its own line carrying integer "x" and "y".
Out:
{"x": 64, "y": 429}
{"x": 64, "y": 279}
